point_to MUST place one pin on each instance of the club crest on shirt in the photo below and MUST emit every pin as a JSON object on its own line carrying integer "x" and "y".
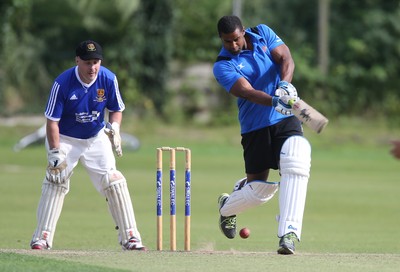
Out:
{"x": 100, "y": 95}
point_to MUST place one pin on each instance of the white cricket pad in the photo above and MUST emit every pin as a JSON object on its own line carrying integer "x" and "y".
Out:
{"x": 120, "y": 206}
{"x": 295, "y": 163}
{"x": 49, "y": 210}
{"x": 252, "y": 194}
{"x": 239, "y": 184}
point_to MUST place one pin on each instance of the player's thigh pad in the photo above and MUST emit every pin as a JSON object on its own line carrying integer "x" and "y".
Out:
{"x": 120, "y": 204}
{"x": 295, "y": 157}
{"x": 250, "y": 195}
{"x": 49, "y": 210}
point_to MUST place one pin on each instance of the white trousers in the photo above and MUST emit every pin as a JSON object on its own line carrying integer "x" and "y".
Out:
{"x": 95, "y": 155}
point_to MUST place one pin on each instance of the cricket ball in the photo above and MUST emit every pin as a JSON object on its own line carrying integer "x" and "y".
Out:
{"x": 244, "y": 233}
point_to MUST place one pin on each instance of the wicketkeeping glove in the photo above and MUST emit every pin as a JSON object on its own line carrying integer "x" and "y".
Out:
{"x": 57, "y": 168}
{"x": 112, "y": 131}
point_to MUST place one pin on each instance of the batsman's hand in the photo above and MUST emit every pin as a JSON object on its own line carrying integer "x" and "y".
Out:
{"x": 286, "y": 88}
{"x": 57, "y": 168}
{"x": 112, "y": 131}
{"x": 282, "y": 104}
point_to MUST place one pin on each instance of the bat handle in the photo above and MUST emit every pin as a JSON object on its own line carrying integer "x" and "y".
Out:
{"x": 291, "y": 102}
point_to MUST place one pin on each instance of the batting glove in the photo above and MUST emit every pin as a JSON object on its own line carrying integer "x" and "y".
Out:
{"x": 57, "y": 169}
{"x": 286, "y": 88}
{"x": 112, "y": 131}
{"x": 281, "y": 104}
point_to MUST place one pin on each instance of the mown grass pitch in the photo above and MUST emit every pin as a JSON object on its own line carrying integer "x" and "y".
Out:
{"x": 350, "y": 224}
{"x": 112, "y": 260}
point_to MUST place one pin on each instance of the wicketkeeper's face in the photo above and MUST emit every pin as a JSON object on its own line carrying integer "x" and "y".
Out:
{"x": 234, "y": 42}
{"x": 88, "y": 69}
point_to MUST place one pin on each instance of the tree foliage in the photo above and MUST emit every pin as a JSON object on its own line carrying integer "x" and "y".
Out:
{"x": 141, "y": 38}
{"x": 365, "y": 53}
{"x": 155, "y": 19}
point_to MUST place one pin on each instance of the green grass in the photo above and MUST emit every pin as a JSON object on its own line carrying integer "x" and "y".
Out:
{"x": 350, "y": 223}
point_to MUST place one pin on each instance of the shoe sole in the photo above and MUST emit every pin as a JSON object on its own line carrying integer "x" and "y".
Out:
{"x": 285, "y": 251}
{"x": 137, "y": 249}
{"x": 38, "y": 247}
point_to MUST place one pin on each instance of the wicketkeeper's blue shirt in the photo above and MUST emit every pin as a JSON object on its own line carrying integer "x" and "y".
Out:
{"x": 258, "y": 68}
{"x": 80, "y": 107}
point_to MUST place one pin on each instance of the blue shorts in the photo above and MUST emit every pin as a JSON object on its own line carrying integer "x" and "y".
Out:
{"x": 261, "y": 148}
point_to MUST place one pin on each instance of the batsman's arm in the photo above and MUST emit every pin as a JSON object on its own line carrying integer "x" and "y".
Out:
{"x": 282, "y": 56}
{"x": 243, "y": 89}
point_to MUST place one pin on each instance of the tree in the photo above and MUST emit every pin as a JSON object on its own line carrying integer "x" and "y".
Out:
{"x": 142, "y": 37}
{"x": 365, "y": 53}
{"x": 35, "y": 51}
{"x": 155, "y": 19}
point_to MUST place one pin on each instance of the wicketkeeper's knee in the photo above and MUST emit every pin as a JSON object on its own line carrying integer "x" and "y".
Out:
{"x": 112, "y": 177}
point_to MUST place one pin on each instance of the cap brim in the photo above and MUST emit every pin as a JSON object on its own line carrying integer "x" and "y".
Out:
{"x": 91, "y": 56}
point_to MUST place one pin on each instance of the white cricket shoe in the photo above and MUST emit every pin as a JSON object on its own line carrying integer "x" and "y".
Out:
{"x": 134, "y": 244}
{"x": 40, "y": 244}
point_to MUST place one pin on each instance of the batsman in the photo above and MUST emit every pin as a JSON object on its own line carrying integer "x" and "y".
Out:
{"x": 256, "y": 67}
{"x": 76, "y": 132}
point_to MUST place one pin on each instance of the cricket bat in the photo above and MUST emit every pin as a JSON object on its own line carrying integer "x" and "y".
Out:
{"x": 308, "y": 115}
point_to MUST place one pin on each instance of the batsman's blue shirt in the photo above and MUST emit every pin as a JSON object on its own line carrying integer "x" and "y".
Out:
{"x": 80, "y": 107}
{"x": 258, "y": 68}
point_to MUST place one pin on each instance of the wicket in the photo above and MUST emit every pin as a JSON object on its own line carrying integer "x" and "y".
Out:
{"x": 172, "y": 193}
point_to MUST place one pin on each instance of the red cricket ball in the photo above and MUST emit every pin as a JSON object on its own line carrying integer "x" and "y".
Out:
{"x": 244, "y": 233}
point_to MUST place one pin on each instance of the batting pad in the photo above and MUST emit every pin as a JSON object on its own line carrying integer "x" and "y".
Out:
{"x": 49, "y": 210}
{"x": 295, "y": 163}
{"x": 252, "y": 194}
{"x": 120, "y": 206}
{"x": 240, "y": 183}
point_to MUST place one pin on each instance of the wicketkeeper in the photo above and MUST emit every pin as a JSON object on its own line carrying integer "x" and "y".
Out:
{"x": 77, "y": 132}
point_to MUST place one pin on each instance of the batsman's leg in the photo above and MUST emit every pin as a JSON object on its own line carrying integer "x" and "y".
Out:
{"x": 295, "y": 163}
{"x": 48, "y": 213}
{"x": 250, "y": 194}
{"x": 245, "y": 195}
{"x": 120, "y": 206}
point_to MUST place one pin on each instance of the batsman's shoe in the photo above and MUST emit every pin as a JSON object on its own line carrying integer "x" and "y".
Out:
{"x": 227, "y": 224}
{"x": 286, "y": 244}
{"x": 134, "y": 244}
{"x": 40, "y": 244}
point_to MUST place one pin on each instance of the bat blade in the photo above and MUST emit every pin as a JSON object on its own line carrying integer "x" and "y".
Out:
{"x": 309, "y": 116}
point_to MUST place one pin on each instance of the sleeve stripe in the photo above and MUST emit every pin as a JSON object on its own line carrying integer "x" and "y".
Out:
{"x": 52, "y": 99}
{"x": 118, "y": 94}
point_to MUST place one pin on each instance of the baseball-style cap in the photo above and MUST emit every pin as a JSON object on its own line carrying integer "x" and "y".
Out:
{"x": 88, "y": 50}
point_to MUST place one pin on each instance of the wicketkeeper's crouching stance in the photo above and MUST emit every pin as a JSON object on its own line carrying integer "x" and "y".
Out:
{"x": 107, "y": 180}
{"x": 75, "y": 132}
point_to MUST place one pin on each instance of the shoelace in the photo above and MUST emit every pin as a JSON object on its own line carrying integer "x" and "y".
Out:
{"x": 230, "y": 222}
{"x": 291, "y": 237}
